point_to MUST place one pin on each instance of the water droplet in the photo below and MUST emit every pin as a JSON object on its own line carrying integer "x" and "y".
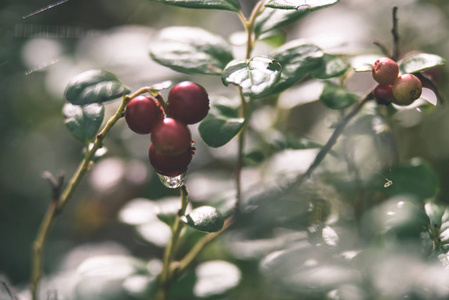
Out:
{"x": 172, "y": 182}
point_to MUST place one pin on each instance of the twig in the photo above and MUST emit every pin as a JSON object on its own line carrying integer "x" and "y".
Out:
{"x": 331, "y": 142}
{"x": 395, "y": 33}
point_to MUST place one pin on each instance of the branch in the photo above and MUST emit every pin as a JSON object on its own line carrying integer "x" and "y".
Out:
{"x": 395, "y": 33}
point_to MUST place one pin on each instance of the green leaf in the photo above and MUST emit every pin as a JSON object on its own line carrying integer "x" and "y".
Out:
{"x": 94, "y": 86}
{"x": 232, "y": 5}
{"x": 297, "y": 4}
{"x": 254, "y": 76}
{"x": 215, "y": 278}
{"x": 191, "y": 50}
{"x": 336, "y": 97}
{"x": 297, "y": 59}
{"x": 420, "y": 62}
{"x": 273, "y": 18}
{"x": 331, "y": 66}
{"x": 222, "y": 122}
{"x": 83, "y": 121}
{"x": 400, "y": 216}
{"x": 204, "y": 218}
{"x": 416, "y": 178}
{"x": 105, "y": 277}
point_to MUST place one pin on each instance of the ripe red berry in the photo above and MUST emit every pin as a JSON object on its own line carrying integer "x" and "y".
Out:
{"x": 143, "y": 114}
{"x": 170, "y": 165}
{"x": 188, "y": 102}
{"x": 385, "y": 70}
{"x": 383, "y": 94}
{"x": 406, "y": 89}
{"x": 171, "y": 137}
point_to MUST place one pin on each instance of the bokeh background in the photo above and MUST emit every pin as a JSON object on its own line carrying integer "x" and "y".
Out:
{"x": 42, "y": 48}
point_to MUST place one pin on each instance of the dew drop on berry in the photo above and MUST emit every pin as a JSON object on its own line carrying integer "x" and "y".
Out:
{"x": 172, "y": 182}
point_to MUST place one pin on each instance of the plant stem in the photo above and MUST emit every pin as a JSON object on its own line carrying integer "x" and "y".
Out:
{"x": 330, "y": 142}
{"x": 170, "y": 250}
{"x": 58, "y": 204}
{"x": 395, "y": 33}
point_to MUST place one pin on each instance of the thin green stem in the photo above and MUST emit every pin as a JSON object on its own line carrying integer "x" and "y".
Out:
{"x": 170, "y": 250}
{"x": 58, "y": 204}
{"x": 331, "y": 141}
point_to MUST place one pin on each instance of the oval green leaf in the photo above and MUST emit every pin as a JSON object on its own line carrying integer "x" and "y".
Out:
{"x": 420, "y": 62}
{"x": 336, "y": 97}
{"x": 204, "y": 218}
{"x": 94, "y": 86}
{"x": 273, "y": 18}
{"x": 331, "y": 66}
{"x": 254, "y": 76}
{"x": 232, "y": 5}
{"x": 298, "y": 59}
{"x": 83, "y": 121}
{"x": 296, "y": 4}
{"x": 191, "y": 50}
{"x": 222, "y": 123}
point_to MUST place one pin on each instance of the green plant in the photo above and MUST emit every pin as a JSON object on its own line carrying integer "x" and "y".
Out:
{"x": 308, "y": 216}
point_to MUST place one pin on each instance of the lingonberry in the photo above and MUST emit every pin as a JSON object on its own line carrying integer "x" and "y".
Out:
{"x": 143, "y": 114}
{"x": 406, "y": 89}
{"x": 188, "y": 102}
{"x": 171, "y": 137}
{"x": 383, "y": 94}
{"x": 385, "y": 70}
{"x": 170, "y": 165}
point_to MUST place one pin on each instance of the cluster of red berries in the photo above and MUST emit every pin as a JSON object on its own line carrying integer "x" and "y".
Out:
{"x": 394, "y": 88}
{"x": 171, "y": 148}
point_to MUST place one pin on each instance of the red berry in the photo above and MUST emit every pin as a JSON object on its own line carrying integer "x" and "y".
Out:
{"x": 143, "y": 114}
{"x": 406, "y": 89}
{"x": 171, "y": 137}
{"x": 188, "y": 102}
{"x": 385, "y": 70}
{"x": 170, "y": 165}
{"x": 383, "y": 93}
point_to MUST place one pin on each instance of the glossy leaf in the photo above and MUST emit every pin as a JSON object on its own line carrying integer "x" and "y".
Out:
{"x": 400, "y": 217}
{"x": 336, "y": 97}
{"x": 274, "y": 18}
{"x": 296, "y": 4}
{"x": 215, "y": 278}
{"x": 83, "y": 121}
{"x": 420, "y": 62}
{"x": 204, "y": 218}
{"x": 331, "y": 66}
{"x": 111, "y": 276}
{"x": 191, "y": 50}
{"x": 221, "y": 124}
{"x": 254, "y": 76}
{"x": 94, "y": 86}
{"x": 297, "y": 59}
{"x": 414, "y": 178}
{"x": 232, "y": 5}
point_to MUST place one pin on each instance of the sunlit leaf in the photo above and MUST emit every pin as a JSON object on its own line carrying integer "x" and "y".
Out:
{"x": 297, "y": 59}
{"x": 232, "y": 5}
{"x": 274, "y": 18}
{"x": 331, "y": 66}
{"x": 94, "y": 86}
{"x": 83, "y": 121}
{"x": 191, "y": 50}
{"x": 297, "y": 4}
{"x": 215, "y": 278}
{"x": 254, "y": 76}
{"x": 204, "y": 218}
{"x": 400, "y": 217}
{"x": 336, "y": 97}
{"x": 420, "y": 62}
{"x": 113, "y": 278}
